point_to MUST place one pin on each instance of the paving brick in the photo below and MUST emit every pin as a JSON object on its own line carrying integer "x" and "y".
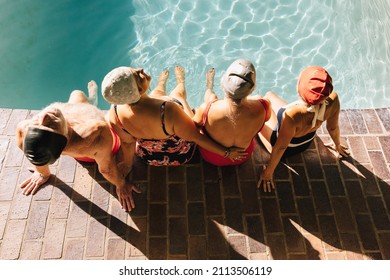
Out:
{"x": 329, "y": 231}
{"x": 4, "y": 118}
{"x": 210, "y": 172}
{"x": 4, "y": 142}
{"x": 250, "y": 201}
{"x": 140, "y": 170}
{"x": 95, "y": 244}
{"x": 100, "y": 199}
{"x": 381, "y": 169}
{"x": 233, "y": 214}
{"x": 260, "y": 155}
{"x": 255, "y": 234}
{"x": 82, "y": 184}
{"x": 45, "y": 191}
{"x": 14, "y": 156}
{"x": 307, "y": 214}
{"x": 15, "y": 117}
{"x": 157, "y": 184}
{"x": 246, "y": 171}
{"x": 158, "y": 219}
{"x": 196, "y": 218}
{"x": 343, "y": 214}
{"x": 136, "y": 237}
{"x": 31, "y": 250}
{"x": 300, "y": 183}
{"x": 74, "y": 249}
{"x": 277, "y": 246}
{"x": 37, "y": 220}
{"x": 213, "y": 199}
{"x": 158, "y": 248}
{"x": 4, "y": 210}
{"x": 286, "y": 197}
{"x": 20, "y": 205}
{"x": 271, "y": 215}
{"x": 372, "y": 143}
{"x": 350, "y": 243}
{"x": 314, "y": 246}
{"x": 229, "y": 181}
{"x": 194, "y": 184}
{"x": 12, "y": 240}
{"x": 335, "y": 184}
{"x": 237, "y": 248}
{"x": 8, "y": 179}
{"x": 177, "y": 174}
{"x": 67, "y": 169}
{"x": 384, "y": 241}
{"x": 385, "y": 145}
{"x": 313, "y": 165}
{"x": 371, "y": 120}
{"x": 178, "y": 236}
{"x": 341, "y": 255}
{"x": 344, "y": 123}
{"x": 281, "y": 171}
{"x": 326, "y": 156}
{"x": 357, "y": 121}
{"x": 358, "y": 150}
{"x": 378, "y": 213}
{"x": 116, "y": 249}
{"x": 384, "y": 116}
{"x": 294, "y": 239}
{"x": 385, "y": 190}
{"x": 54, "y": 239}
{"x": 78, "y": 219}
{"x": 216, "y": 243}
{"x": 366, "y": 232}
{"x": 348, "y": 170}
{"x": 368, "y": 180}
{"x": 321, "y": 197}
{"x": 197, "y": 248}
{"x": 60, "y": 202}
{"x": 177, "y": 199}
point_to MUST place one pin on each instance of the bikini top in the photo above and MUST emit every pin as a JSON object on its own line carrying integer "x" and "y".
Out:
{"x": 162, "y": 117}
{"x": 206, "y": 113}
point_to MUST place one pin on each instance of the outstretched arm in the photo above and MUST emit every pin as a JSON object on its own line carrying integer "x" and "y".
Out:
{"x": 286, "y": 133}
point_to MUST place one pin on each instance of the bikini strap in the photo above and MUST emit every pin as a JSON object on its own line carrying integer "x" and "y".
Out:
{"x": 206, "y": 113}
{"x": 118, "y": 120}
{"x": 266, "y": 108}
{"x": 162, "y": 117}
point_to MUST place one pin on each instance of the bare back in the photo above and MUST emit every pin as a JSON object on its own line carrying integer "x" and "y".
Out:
{"x": 233, "y": 124}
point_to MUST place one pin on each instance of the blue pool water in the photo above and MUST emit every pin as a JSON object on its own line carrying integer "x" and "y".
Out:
{"x": 49, "y": 48}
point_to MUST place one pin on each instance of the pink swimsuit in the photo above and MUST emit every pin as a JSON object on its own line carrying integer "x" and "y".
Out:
{"x": 216, "y": 159}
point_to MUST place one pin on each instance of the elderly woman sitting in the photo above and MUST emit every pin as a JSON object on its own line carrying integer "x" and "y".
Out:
{"x": 236, "y": 119}
{"x": 156, "y": 127}
{"x": 292, "y": 127}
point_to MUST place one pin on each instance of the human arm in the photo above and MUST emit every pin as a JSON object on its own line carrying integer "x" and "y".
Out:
{"x": 111, "y": 172}
{"x": 332, "y": 125}
{"x": 40, "y": 173}
{"x": 286, "y": 133}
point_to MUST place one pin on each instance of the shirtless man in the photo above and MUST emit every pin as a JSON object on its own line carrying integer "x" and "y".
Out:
{"x": 77, "y": 129}
{"x": 292, "y": 127}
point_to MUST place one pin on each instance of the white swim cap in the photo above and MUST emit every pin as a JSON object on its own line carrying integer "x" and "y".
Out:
{"x": 240, "y": 79}
{"x": 120, "y": 87}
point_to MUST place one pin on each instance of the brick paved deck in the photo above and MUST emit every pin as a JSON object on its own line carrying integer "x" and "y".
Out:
{"x": 322, "y": 209}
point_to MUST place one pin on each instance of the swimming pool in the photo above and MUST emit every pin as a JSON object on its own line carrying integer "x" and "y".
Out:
{"x": 50, "y": 49}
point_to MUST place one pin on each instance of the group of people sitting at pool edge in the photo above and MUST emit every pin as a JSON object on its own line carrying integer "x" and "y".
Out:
{"x": 163, "y": 129}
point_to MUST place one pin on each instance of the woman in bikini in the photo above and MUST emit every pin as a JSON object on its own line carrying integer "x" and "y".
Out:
{"x": 292, "y": 127}
{"x": 237, "y": 118}
{"x": 156, "y": 127}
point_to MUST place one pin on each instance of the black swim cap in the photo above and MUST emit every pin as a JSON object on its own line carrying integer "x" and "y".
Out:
{"x": 43, "y": 147}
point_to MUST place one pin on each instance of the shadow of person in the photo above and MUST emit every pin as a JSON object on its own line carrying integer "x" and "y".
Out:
{"x": 340, "y": 204}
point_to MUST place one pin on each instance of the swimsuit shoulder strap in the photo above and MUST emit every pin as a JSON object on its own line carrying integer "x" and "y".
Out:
{"x": 162, "y": 117}
{"x": 206, "y": 113}
{"x": 266, "y": 108}
{"x": 118, "y": 120}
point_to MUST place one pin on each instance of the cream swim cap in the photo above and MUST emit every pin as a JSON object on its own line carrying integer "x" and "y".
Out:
{"x": 120, "y": 87}
{"x": 240, "y": 79}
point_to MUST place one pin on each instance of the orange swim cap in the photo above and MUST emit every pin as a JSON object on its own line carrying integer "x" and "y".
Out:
{"x": 314, "y": 84}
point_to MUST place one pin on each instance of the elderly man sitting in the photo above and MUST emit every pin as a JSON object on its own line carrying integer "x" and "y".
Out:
{"x": 77, "y": 129}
